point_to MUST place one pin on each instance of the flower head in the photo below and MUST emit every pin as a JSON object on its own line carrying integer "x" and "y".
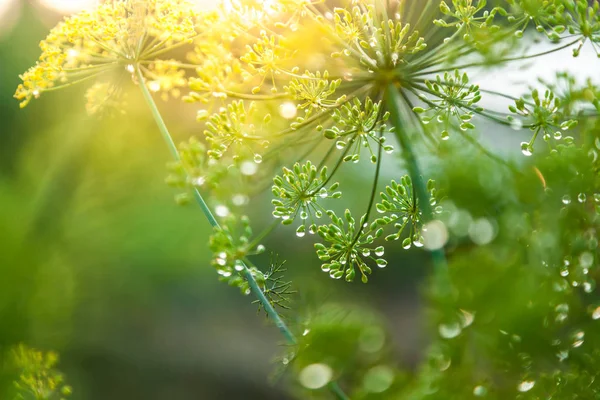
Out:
{"x": 117, "y": 37}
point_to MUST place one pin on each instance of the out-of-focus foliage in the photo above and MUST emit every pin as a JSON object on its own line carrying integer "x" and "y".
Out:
{"x": 296, "y": 92}
{"x": 38, "y": 378}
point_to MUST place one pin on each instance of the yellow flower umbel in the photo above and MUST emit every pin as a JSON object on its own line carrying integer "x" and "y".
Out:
{"x": 118, "y": 36}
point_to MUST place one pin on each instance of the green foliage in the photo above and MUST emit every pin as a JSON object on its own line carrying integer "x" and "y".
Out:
{"x": 513, "y": 246}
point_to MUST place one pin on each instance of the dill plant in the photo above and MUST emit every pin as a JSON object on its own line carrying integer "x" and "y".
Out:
{"x": 294, "y": 91}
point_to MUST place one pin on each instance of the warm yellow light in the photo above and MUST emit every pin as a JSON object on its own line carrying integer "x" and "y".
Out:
{"x": 9, "y": 13}
{"x": 73, "y": 6}
{"x": 68, "y": 6}
{"x": 5, "y": 5}
{"x": 206, "y": 4}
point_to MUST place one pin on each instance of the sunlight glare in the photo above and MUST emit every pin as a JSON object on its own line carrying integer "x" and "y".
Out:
{"x": 9, "y": 14}
{"x": 67, "y": 6}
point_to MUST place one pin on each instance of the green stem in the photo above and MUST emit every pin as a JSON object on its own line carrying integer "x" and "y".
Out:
{"x": 271, "y": 312}
{"x": 395, "y": 105}
{"x": 254, "y": 287}
{"x": 337, "y": 390}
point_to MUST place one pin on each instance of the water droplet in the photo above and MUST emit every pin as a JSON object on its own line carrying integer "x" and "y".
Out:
{"x": 221, "y": 261}
{"x": 260, "y": 248}
{"x": 258, "y": 158}
{"x": 315, "y": 376}
{"x": 36, "y": 94}
{"x": 199, "y": 181}
{"x": 378, "y": 379}
{"x": 435, "y": 235}
{"x": 586, "y": 259}
{"x": 238, "y": 266}
{"x": 525, "y": 386}
{"x": 526, "y": 149}
{"x": 562, "y": 355}
{"x": 381, "y": 263}
{"x": 154, "y": 86}
{"x": 480, "y": 391}
{"x": 379, "y": 251}
{"x": 366, "y": 252}
{"x": 248, "y": 168}
{"x": 481, "y": 231}
{"x": 516, "y": 124}
{"x": 221, "y": 210}
{"x": 557, "y": 135}
{"x": 288, "y": 110}
{"x": 596, "y": 313}
{"x": 371, "y": 339}
{"x": 467, "y": 318}
{"x": 240, "y": 199}
{"x": 449, "y": 331}
{"x": 566, "y": 199}
{"x": 130, "y": 68}
{"x": 301, "y": 231}
{"x": 340, "y": 145}
{"x": 581, "y": 197}
{"x": 445, "y": 135}
{"x": 578, "y": 338}
{"x": 306, "y": 332}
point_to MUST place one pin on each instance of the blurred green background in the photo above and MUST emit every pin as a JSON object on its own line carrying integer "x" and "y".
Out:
{"x": 99, "y": 264}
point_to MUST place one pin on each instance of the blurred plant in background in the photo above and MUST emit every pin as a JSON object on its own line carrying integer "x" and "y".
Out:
{"x": 38, "y": 377}
{"x": 296, "y": 92}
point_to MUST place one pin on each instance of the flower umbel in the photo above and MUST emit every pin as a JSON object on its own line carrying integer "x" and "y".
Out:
{"x": 116, "y": 37}
{"x": 38, "y": 378}
{"x": 350, "y": 247}
{"x": 298, "y": 193}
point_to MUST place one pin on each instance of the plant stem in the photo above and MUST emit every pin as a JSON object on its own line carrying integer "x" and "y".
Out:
{"x": 252, "y": 283}
{"x": 395, "y": 105}
{"x": 337, "y": 390}
{"x": 271, "y": 312}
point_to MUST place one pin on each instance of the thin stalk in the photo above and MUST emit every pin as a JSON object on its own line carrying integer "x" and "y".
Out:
{"x": 504, "y": 60}
{"x": 395, "y": 105}
{"x": 337, "y": 391}
{"x": 271, "y": 312}
{"x": 252, "y": 283}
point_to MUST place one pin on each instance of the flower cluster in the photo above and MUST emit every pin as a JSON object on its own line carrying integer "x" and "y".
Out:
{"x": 230, "y": 244}
{"x": 350, "y": 247}
{"x": 298, "y": 193}
{"x": 541, "y": 115}
{"x": 455, "y": 102}
{"x": 115, "y": 38}
{"x": 400, "y": 207}
{"x": 38, "y": 377}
